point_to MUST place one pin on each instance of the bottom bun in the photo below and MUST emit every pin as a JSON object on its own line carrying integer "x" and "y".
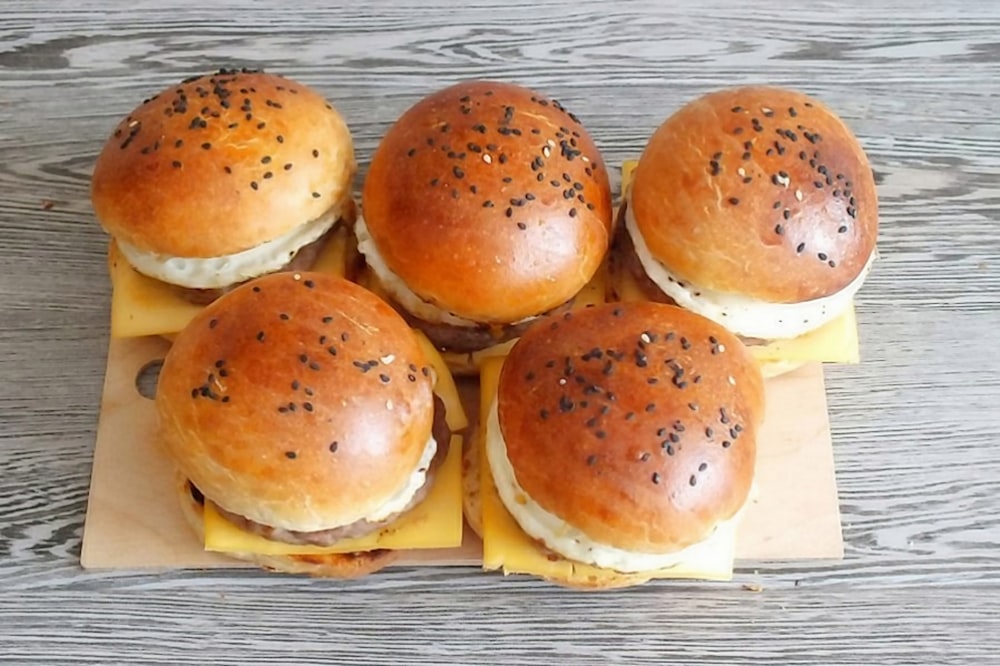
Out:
{"x": 611, "y": 580}
{"x": 331, "y": 565}
{"x": 472, "y": 485}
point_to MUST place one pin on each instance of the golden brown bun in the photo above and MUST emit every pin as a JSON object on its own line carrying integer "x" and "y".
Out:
{"x": 610, "y": 580}
{"x": 579, "y": 416}
{"x": 446, "y": 222}
{"x": 299, "y": 401}
{"x": 338, "y": 565}
{"x": 202, "y": 169}
{"x": 725, "y": 229}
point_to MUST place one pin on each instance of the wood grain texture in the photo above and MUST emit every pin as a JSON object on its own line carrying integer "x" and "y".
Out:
{"x": 914, "y": 426}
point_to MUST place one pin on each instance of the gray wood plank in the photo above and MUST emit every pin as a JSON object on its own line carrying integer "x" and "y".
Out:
{"x": 914, "y": 426}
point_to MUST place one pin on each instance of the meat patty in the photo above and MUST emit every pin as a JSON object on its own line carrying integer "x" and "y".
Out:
{"x": 465, "y": 339}
{"x": 442, "y": 435}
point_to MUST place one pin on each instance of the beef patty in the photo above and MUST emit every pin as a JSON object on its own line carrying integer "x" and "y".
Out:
{"x": 466, "y": 339}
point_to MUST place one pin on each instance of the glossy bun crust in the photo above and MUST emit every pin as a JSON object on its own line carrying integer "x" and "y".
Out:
{"x": 490, "y": 201}
{"x": 640, "y": 466}
{"x": 300, "y": 401}
{"x": 757, "y": 191}
{"x": 221, "y": 163}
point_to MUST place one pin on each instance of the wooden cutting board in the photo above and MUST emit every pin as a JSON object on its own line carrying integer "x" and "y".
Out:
{"x": 134, "y": 519}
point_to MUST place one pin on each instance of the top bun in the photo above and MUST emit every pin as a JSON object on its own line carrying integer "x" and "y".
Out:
{"x": 490, "y": 201}
{"x": 219, "y": 164}
{"x": 299, "y": 401}
{"x": 757, "y": 191}
{"x": 635, "y": 423}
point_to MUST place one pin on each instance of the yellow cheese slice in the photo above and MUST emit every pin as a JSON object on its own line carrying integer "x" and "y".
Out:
{"x": 434, "y": 523}
{"x": 507, "y": 547}
{"x": 835, "y": 342}
{"x": 444, "y": 386}
{"x": 141, "y": 305}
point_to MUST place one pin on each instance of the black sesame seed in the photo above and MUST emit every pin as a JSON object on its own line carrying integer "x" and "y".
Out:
{"x": 693, "y": 481}
{"x": 307, "y": 406}
{"x": 316, "y": 195}
{"x": 656, "y": 478}
{"x": 778, "y": 229}
{"x": 291, "y": 455}
{"x": 591, "y": 459}
{"x": 734, "y": 201}
{"x": 800, "y": 248}
{"x": 260, "y": 336}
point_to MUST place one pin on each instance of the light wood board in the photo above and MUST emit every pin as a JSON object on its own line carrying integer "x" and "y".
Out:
{"x": 134, "y": 519}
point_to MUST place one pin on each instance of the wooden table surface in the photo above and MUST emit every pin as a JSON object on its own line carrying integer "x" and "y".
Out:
{"x": 915, "y": 426}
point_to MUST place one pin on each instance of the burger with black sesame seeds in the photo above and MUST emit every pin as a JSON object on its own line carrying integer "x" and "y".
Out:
{"x": 214, "y": 181}
{"x": 486, "y": 206}
{"x": 755, "y": 207}
{"x": 619, "y": 445}
{"x": 311, "y": 428}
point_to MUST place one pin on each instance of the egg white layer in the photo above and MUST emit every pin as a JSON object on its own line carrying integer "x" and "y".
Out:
{"x": 417, "y": 479}
{"x": 749, "y": 317}
{"x": 395, "y": 285}
{"x": 218, "y": 272}
{"x": 565, "y": 539}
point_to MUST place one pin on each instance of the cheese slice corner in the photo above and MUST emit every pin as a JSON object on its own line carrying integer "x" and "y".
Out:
{"x": 141, "y": 305}
{"x": 508, "y": 549}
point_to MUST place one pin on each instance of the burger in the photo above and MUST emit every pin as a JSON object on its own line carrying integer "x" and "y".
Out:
{"x": 212, "y": 182}
{"x": 755, "y": 207}
{"x": 303, "y": 417}
{"x": 486, "y": 206}
{"x": 620, "y": 446}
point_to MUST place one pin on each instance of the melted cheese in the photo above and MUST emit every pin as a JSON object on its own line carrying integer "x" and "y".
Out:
{"x": 834, "y": 342}
{"x": 444, "y": 386}
{"x": 434, "y": 523}
{"x": 507, "y": 547}
{"x": 141, "y": 305}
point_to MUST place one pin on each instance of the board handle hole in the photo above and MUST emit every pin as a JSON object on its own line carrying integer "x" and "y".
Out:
{"x": 147, "y": 377}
